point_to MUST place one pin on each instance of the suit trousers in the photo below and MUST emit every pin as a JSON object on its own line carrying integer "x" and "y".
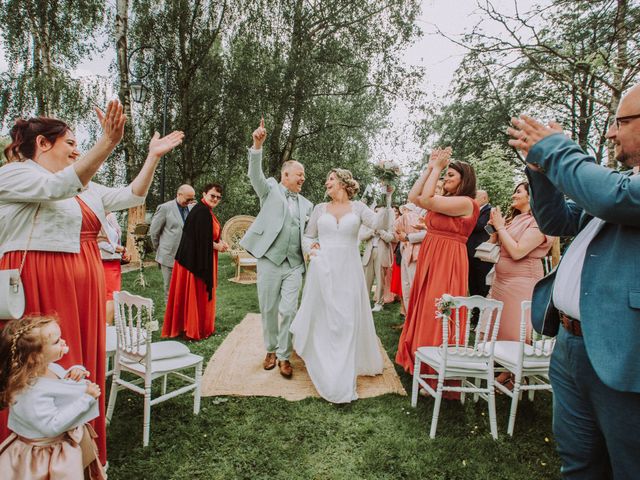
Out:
{"x": 278, "y": 292}
{"x": 408, "y": 273}
{"x": 166, "y": 279}
{"x": 478, "y": 271}
{"x": 596, "y": 427}
{"x": 374, "y": 269}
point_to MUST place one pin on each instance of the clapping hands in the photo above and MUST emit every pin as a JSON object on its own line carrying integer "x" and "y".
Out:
{"x": 496, "y": 219}
{"x": 440, "y": 158}
{"x": 526, "y": 132}
{"x": 259, "y": 135}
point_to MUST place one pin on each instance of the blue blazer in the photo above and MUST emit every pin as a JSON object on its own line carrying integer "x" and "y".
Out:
{"x": 572, "y": 190}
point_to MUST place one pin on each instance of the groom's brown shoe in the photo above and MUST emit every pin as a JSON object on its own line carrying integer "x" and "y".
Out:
{"x": 269, "y": 361}
{"x": 285, "y": 368}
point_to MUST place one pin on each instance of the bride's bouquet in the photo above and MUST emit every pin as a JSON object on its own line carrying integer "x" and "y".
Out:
{"x": 387, "y": 171}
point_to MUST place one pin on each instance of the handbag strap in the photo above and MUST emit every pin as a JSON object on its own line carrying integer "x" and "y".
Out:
{"x": 33, "y": 226}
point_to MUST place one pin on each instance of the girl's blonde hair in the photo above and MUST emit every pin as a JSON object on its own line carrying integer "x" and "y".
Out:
{"x": 21, "y": 355}
{"x": 346, "y": 178}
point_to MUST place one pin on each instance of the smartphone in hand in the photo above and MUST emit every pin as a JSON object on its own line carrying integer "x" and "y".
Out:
{"x": 489, "y": 229}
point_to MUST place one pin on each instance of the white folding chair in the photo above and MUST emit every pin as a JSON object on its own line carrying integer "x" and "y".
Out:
{"x": 111, "y": 345}
{"x": 463, "y": 359}
{"x": 137, "y": 355}
{"x": 530, "y": 361}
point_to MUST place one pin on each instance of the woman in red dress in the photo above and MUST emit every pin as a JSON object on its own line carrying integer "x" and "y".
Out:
{"x": 50, "y": 207}
{"x": 442, "y": 265}
{"x": 191, "y": 304}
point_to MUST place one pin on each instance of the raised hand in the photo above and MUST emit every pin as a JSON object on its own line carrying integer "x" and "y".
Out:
{"x": 160, "y": 146}
{"x": 526, "y": 132}
{"x": 496, "y": 219}
{"x": 259, "y": 135}
{"x": 112, "y": 122}
{"x": 440, "y": 158}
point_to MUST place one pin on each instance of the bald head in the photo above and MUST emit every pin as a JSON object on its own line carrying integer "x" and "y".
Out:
{"x": 482, "y": 197}
{"x": 186, "y": 194}
{"x": 624, "y": 131}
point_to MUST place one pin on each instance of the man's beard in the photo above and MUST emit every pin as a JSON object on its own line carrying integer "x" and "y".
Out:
{"x": 629, "y": 159}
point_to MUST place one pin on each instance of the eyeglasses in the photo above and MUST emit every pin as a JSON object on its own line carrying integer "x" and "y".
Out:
{"x": 214, "y": 196}
{"x": 625, "y": 119}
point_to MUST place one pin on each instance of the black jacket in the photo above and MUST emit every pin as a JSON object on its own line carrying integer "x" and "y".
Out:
{"x": 479, "y": 235}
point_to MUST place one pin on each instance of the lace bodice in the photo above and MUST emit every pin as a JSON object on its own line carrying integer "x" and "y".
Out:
{"x": 326, "y": 229}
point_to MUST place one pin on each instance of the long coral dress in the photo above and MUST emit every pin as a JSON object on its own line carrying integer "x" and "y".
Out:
{"x": 515, "y": 279}
{"x": 442, "y": 267}
{"x": 72, "y": 286}
{"x": 189, "y": 309}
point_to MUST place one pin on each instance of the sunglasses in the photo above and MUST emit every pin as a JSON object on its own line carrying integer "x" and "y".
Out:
{"x": 618, "y": 120}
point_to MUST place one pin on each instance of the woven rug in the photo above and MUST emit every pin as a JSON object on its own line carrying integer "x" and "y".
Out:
{"x": 236, "y": 369}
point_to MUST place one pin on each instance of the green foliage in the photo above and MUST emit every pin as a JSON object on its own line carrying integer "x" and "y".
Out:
{"x": 374, "y": 438}
{"x": 496, "y": 174}
{"x": 44, "y": 41}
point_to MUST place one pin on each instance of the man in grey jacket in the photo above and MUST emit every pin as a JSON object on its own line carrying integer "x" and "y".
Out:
{"x": 166, "y": 231}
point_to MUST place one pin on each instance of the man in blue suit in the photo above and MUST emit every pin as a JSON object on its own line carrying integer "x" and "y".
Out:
{"x": 592, "y": 300}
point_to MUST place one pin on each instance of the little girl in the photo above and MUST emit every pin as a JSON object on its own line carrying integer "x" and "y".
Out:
{"x": 48, "y": 405}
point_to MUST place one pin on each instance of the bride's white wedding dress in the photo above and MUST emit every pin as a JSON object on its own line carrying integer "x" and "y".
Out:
{"x": 333, "y": 330}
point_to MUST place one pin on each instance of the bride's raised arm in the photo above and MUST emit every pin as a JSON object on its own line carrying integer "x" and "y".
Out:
{"x": 380, "y": 220}
{"x": 310, "y": 238}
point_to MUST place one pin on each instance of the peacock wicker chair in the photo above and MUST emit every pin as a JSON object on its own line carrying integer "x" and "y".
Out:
{"x": 232, "y": 233}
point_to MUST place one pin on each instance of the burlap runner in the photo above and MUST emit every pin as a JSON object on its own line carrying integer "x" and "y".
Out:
{"x": 236, "y": 369}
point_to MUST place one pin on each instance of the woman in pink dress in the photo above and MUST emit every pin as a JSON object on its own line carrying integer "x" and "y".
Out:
{"x": 522, "y": 246}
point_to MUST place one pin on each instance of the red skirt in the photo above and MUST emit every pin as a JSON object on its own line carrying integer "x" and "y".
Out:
{"x": 189, "y": 309}
{"x": 70, "y": 285}
{"x": 396, "y": 280}
{"x": 112, "y": 276}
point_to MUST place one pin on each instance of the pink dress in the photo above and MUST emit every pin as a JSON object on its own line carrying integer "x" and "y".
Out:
{"x": 515, "y": 279}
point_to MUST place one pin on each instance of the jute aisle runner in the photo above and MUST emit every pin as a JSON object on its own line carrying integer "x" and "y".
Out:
{"x": 236, "y": 369}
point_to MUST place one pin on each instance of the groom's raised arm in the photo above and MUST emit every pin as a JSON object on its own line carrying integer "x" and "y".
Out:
{"x": 256, "y": 175}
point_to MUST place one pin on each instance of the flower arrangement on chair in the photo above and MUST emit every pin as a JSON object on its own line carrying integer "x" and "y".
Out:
{"x": 140, "y": 236}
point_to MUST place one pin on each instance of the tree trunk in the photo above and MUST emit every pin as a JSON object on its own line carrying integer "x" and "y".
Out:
{"x": 620, "y": 65}
{"x": 136, "y": 215}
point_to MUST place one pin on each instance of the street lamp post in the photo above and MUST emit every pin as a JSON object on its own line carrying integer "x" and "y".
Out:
{"x": 139, "y": 95}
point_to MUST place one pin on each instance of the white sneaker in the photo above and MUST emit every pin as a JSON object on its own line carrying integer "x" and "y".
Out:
{"x": 376, "y": 308}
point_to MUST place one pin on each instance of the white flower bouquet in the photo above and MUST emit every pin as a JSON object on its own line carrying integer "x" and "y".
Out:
{"x": 387, "y": 171}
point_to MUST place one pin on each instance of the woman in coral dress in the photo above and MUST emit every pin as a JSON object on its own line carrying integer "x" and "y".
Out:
{"x": 442, "y": 265}
{"x": 50, "y": 207}
{"x": 191, "y": 304}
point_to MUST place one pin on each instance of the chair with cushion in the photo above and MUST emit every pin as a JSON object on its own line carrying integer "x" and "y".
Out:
{"x": 525, "y": 361}
{"x": 137, "y": 355}
{"x": 465, "y": 358}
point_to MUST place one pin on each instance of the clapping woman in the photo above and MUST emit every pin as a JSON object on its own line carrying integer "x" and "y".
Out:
{"x": 50, "y": 207}
{"x": 442, "y": 265}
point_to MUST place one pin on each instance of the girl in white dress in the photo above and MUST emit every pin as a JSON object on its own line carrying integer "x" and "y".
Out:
{"x": 333, "y": 330}
{"x": 48, "y": 406}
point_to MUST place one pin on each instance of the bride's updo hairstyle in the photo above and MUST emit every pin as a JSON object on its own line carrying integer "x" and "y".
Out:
{"x": 24, "y": 133}
{"x": 346, "y": 179}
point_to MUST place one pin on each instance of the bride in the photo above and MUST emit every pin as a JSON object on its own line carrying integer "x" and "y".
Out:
{"x": 333, "y": 330}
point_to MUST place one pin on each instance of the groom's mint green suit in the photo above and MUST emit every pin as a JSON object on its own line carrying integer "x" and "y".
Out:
{"x": 275, "y": 239}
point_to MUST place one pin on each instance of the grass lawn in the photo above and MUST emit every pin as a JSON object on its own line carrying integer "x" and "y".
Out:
{"x": 262, "y": 437}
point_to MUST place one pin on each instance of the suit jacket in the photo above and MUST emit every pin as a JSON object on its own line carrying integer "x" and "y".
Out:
{"x": 386, "y": 236}
{"x": 273, "y": 206}
{"x": 166, "y": 232}
{"x": 609, "y": 281}
{"x": 479, "y": 235}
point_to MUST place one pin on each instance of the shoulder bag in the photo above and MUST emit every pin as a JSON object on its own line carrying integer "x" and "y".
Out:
{"x": 12, "y": 302}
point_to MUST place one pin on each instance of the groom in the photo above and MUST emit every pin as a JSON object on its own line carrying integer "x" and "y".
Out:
{"x": 275, "y": 239}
